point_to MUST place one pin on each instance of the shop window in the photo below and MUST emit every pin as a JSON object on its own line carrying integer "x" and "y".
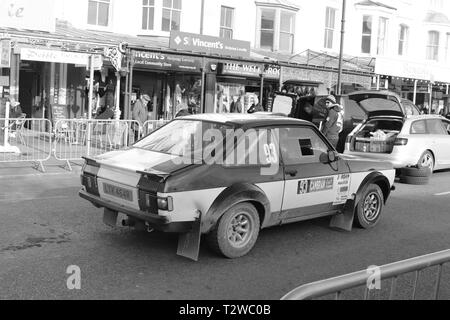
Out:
{"x": 330, "y": 25}
{"x": 366, "y": 34}
{"x": 433, "y": 45}
{"x": 98, "y": 12}
{"x": 148, "y": 14}
{"x": 171, "y": 15}
{"x": 382, "y": 31}
{"x": 403, "y": 39}
{"x": 226, "y": 22}
{"x": 447, "y": 48}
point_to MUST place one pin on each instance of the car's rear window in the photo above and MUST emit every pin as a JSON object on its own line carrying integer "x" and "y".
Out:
{"x": 378, "y": 104}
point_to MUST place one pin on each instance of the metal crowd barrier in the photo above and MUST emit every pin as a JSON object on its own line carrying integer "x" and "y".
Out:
{"x": 336, "y": 286}
{"x": 26, "y": 140}
{"x": 76, "y": 138}
{"x": 153, "y": 125}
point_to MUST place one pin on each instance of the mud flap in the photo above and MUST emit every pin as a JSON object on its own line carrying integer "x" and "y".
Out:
{"x": 189, "y": 243}
{"x": 110, "y": 218}
{"x": 345, "y": 220}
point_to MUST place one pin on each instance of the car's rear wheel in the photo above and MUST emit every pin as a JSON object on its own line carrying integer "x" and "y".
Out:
{"x": 236, "y": 232}
{"x": 370, "y": 208}
{"x": 426, "y": 161}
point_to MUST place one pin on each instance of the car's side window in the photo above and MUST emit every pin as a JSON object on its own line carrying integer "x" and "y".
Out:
{"x": 419, "y": 127}
{"x": 301, "y": 145}
{"x": 435, "y": 127}
{"x": 446, "y": 126}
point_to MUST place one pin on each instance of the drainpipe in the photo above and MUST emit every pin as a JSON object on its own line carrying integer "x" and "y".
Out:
{"x": 202, "y": 17}
{"x": 341, "y": 53}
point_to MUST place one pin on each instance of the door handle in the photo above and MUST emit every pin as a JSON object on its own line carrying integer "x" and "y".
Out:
{"x": 292, "y": 172}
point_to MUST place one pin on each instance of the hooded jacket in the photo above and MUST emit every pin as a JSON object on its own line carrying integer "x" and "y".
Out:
{"x": 335, "y": 122}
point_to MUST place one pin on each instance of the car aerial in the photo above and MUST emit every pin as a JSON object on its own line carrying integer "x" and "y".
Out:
{"x": 421, "y": 141}
{"x": 229, "y": 176}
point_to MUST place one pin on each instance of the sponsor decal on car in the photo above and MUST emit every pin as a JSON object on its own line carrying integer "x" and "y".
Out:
{"x": 315, "y": 185}
{"x": 343, "y": 189}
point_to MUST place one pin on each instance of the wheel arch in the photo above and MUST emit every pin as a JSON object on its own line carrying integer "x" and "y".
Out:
{"x": 378, "y": 179}
{"x": 238, "y": 193}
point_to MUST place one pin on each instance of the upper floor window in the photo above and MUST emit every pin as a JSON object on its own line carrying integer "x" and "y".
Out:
{"x": 287, "y": 32}
{"x": 98, "y": 12}
{"x": 447, "y": 53}
{"x": 226, "y": 22}
{"x": 171, "y": 15}
{"x": 403, "y": 40}
{"x": 366, "y": 34}
{"x": 330, "y": 25}
{"x": 148, "y": 14}
{"x": 433, "y": 45}
{"x": 276, "y": 30}
{"x": 382, "y": 31}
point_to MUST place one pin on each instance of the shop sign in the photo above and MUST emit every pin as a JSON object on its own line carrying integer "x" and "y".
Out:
{"x": 272, "y": 72}
{"x": 5, "y": 53}
{"x": 209, "y": 45}
{"x": 238, "y": 69}
{"x": 402, "y": 69}
{"x": 162, "y": 61}
{"x": 43, "y": 55}
{"x": 28, "y": 14}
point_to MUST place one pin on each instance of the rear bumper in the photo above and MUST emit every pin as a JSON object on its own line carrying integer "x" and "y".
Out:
{"x": 155, "y": 221}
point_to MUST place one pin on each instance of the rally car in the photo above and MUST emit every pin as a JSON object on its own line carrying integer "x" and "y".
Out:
{"x": 229, "y": 176}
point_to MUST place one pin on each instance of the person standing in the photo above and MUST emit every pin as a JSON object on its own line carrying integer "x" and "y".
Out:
{"x": 140, "y": 114}
{"x": 335, "y": 121}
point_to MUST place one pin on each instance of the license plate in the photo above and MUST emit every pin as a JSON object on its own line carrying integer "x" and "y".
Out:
{"x": 118, "y": 192}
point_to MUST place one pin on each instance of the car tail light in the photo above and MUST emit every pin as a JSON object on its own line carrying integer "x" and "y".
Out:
{"x": 165, "y": 204}
{"x": 90, "y": 183}
{"x": 400, "y": 142}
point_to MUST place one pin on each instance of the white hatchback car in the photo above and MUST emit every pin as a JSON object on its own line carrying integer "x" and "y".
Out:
{"x": 422, "y": 141}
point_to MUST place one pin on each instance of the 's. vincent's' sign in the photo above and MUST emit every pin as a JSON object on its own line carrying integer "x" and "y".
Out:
{"x": 210, "y": 45}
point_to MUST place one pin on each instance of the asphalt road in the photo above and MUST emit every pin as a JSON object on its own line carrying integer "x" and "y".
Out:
{"x": 45, "y": 227}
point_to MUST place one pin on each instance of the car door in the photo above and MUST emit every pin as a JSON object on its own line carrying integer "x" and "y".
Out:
{"x": 439, "y": 141}
{"x": 313, "y": 187}
{"x": 446, "y": 144}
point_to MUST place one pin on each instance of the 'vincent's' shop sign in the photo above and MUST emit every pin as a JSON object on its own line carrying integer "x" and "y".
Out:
{"x": 163, "y": 61}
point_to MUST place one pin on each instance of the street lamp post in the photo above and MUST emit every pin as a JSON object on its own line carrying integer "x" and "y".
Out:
{"x": 341, "y": 53}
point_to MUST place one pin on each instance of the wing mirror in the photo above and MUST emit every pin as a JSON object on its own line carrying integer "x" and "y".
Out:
{"x": 329, "y": 157}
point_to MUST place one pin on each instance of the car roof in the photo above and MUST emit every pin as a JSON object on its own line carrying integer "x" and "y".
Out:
{"x": 426, "y": 117}
{"x": 246, "y": 120}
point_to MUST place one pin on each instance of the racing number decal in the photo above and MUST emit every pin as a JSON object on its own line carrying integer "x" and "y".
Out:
{"x": 271, "y": 153}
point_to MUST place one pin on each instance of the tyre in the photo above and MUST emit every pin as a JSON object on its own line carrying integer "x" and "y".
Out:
{"x": 426, "y": 161}
{"x": 416, "y": 172}
{"x": 236, "y": 233}
{"x": 419, "y": 181}
{"x": 370, "y": 208}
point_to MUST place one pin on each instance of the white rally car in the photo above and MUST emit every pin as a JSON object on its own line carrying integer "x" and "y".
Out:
{"x": 229, "y": 176}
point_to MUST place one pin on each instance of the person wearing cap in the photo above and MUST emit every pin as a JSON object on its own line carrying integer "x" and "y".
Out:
{"x": 140, "y": 112}
{"x": 335, "y": 121}
{"x": 16, "y": 109}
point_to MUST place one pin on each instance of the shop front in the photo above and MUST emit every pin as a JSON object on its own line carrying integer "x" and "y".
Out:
{"x": 237, "y": 86}
{"x": 173, "y": 83}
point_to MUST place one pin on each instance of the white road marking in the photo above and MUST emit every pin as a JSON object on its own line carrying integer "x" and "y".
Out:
{"x": 36, "y": 198}
{"x": 442, "y": 194}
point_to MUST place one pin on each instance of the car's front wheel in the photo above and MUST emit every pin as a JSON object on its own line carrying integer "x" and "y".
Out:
{"x": 236, "y": 232}
{"x": 370, "y": 207}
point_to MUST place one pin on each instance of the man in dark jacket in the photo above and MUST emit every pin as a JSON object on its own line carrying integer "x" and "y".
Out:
{"x": 335, "y": 121}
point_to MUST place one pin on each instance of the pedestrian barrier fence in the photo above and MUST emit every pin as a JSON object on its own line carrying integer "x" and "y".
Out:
{"x": 153, "y": 125}
{"x": 25, "y": 140}
{"x": 77, "y": 138}
{"x": 336, "y": 286}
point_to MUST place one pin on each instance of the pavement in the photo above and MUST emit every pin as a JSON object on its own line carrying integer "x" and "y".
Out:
{"x": 46, "y": 228}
